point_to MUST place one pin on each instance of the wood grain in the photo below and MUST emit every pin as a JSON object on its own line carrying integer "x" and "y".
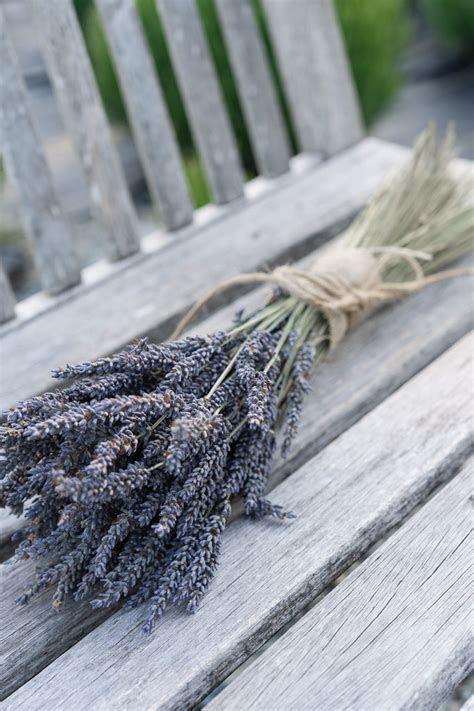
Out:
{"x": 142, "y": 298}
{"x": 201, "y": 94}
{"x": 255, "y": 85}
{"x": 7, "y": 297}
{"x": 316, "y": 74}
{"x": 346, "y": 498}
{"x": 34, "y": 639}
{"x": 148, "y": 114}
{"x": 71, "y": 73}
{"x": 26, "y": 167}
{"x": 380, "y": 355}
{"x": 395, "y": 634}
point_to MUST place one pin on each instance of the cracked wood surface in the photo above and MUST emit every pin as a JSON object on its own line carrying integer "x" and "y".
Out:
{"x": 396, "y": 634}
{"x": 346, "y": 497}
{"x": 379, "y": 356}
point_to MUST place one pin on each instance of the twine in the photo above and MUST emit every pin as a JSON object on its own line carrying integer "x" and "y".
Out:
{"x": 345, "y": 284}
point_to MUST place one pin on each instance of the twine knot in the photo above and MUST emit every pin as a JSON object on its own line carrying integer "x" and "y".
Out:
{"x": 346, "y": 284}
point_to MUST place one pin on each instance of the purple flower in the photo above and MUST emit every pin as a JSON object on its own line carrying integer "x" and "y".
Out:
{"x": 127, "y": 474}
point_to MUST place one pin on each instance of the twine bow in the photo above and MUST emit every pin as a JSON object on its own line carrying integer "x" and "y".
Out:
{"x": 346, "y": 284}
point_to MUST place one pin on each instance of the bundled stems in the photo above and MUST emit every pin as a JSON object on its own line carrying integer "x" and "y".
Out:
{"x": 126, "y": 477}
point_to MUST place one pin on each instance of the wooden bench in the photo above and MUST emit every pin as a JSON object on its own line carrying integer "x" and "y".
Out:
{"x": 386, "y": 434}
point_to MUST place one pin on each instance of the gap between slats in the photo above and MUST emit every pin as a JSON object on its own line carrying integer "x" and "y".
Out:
{"x": 252, "y": 599}
{"x": 70, "y": 70}
{"x": 413, "y": 341}
{"x": 285, "y": 223}
{"x": 202, "y": 97}
{"x": 33, "y": 654}
{"x": 334, "y": 585}
{"x": 151, "y": 124}
{"x": 469, "y": 705}
{"x": 395, "y": 634}
{"x": 254, "y": 81}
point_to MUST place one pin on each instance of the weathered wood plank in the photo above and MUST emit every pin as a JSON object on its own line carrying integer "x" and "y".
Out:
{"x": 395, "y": 634}
{"x": 378, "y": 357}
{"x": 286, "y": 222}
{"x": 316, "y": 74}
{"x": 7, "y": 297}
{"x": 201, "y": 93}
{"x": 154, "y": 136}
{"x": 27, "y": 169}
{"x": 70, "y": 70}
{"x": 81, "y": 619}
{"x": 259, "y": 102}
{"x": 343, "y": 504}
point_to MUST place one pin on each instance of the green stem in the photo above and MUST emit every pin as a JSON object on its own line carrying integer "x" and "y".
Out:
{"x": 266, "y": 321}
{"x": 225, "y": 372}
{"x": 270, "y": 310}
{"x": 285, "y": 333}
{"x": 308, "y": 323}
{"x": 237, "y": 428}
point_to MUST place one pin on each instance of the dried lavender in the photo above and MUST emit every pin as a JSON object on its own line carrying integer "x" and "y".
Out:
{"x": 127, "y": 476}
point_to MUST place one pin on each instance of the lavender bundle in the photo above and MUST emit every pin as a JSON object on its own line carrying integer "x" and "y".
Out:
{"x": 127, "y": 476}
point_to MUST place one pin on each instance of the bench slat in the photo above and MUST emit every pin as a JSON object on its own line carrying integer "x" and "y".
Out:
{"x": 7, "y": 297}
{"x": 380, "y": 355}
{"x": 343, "y": 503}
{"x": 316, "y": 74}
{"x": 70, "y": 70}
{"x": 255, "y": 85}
{"x": 151, "y": 125}
{"x": 286, "y": 222}
{"x": 412, "y": 340}
{"x": 395, "y": 634}
{"x": 197, "y": 79}
{"x": 27, "y": 168}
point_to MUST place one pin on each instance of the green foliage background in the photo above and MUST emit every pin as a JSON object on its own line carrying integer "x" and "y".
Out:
{"x": 453, "y": 20}
{"x": 375, "y": 32}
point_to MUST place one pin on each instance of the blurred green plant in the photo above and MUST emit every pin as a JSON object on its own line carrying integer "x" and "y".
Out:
{"x": 453, "y": 20}
{"x": 375, "y": 32}
{"x": 196, "y": 179}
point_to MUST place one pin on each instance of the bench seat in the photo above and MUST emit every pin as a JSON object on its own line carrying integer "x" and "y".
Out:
{"x": 373, "y": 446}
{"x": 380, "y": 468}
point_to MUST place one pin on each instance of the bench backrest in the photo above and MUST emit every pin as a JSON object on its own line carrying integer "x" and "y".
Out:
{"x": 311, "y": 58}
